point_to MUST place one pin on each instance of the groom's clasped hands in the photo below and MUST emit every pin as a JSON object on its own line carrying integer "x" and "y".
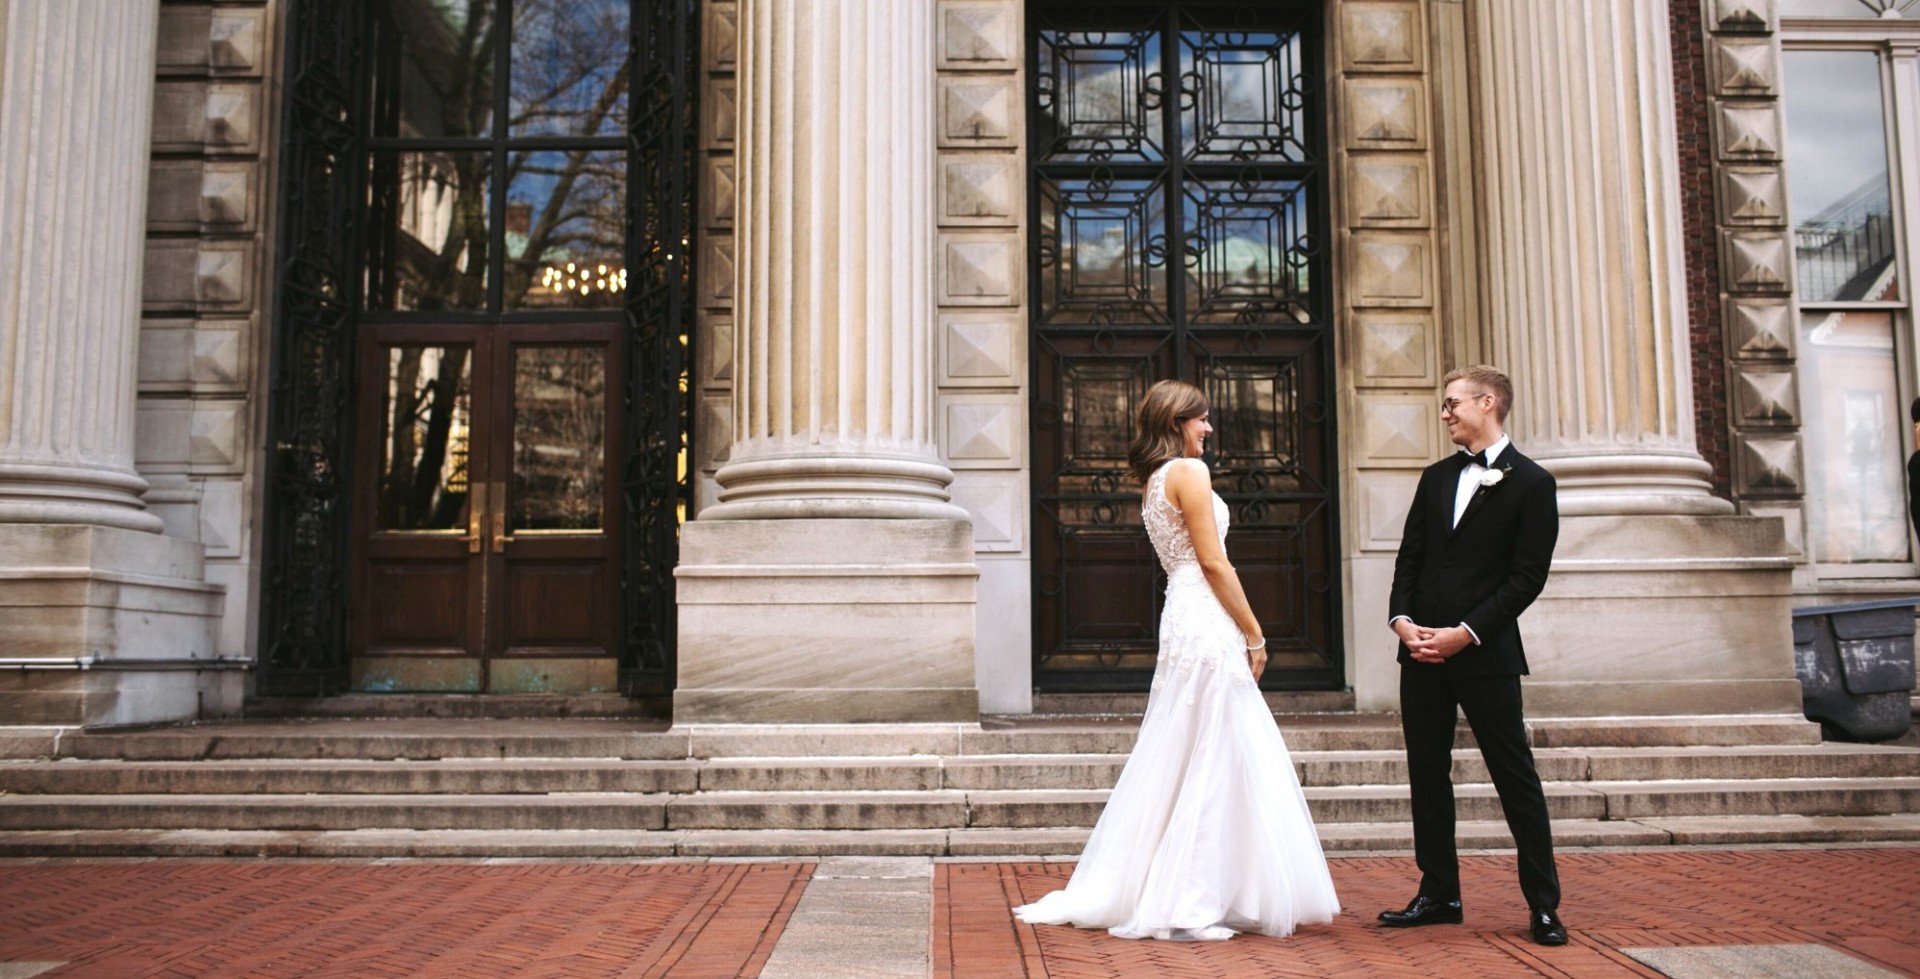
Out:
{"x": 1427, "y": 645}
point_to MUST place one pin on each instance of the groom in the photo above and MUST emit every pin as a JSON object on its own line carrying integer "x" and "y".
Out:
{"x": 1475, "y": 553}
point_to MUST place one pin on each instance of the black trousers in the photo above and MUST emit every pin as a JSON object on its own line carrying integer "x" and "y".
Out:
{"x": 1428, "y": 699}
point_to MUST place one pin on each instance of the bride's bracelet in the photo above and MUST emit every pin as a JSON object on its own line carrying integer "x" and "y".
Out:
{"x": 1263, "y": 645}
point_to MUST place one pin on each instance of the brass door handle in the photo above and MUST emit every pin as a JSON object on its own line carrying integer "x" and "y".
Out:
{"x": 500, "y": 537}
{"x": 476, "y": 515}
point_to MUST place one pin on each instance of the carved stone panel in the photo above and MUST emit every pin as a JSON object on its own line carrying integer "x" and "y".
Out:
{"x": 1382, "y": 37}
{"x": 1396, "y": 349}
{"x": 978, "y": 270}
{"x": 1397, "y": 429}
{"x": 1386, "y": 113}
{"x": 976, "y": 36}
{"x": 1755, "y": 262}
{"x": 202, "y": 117}
{"x": 977, "y": 350}
{"x": 1388, "y": 190}
{"x": 1390, "y": 269}
{"x": 1769, "y": 465}
{"x": 1746, "y": 131}
{"x": 1759, "y": 328}
{"x": 979, "y": 110}
{"x": 1743, "y": 15}
{"x": 1752, "y": 197}
{"x": 1746, "y": 68}
{"x": 978, "y": 189}
{"x": 1765, "y": 396}
{"x": 979, "y": 430}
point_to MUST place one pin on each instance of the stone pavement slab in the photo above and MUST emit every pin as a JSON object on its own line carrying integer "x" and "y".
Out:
{"x": 1756, "y": 962}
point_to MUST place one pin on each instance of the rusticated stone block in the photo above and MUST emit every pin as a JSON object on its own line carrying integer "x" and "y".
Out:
{"x": 978, "y": 35}
{"x": 977, "y": 350}
{"x": 1753, "y": 197}
{"x": 1765, "y": 396}
{"x": 1756, "y": 262}
{"x": 1746, "y": 67}
{"x": 1743, "y": 15}
{"x": 1386, "y": 113}
{"x": 1769, "y": 464}
{"x": 978, "y": 270}
{"x": 1747, "y": 131}
{"x": 1382, "y": 37}
{"x": 978, "y": 429}
{"x": 202, "y": 117}
{"x": 978, "y": 111}
{"x": 978, "y": 189}
{"x": 1390, "y": 269}
{"x": 1388, "y": 190}
{"x": 1760, "y": 329}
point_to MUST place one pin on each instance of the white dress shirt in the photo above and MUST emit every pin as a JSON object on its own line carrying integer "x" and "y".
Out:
{"x": 1463, "y": 495}
{"x": 1470, "y": 478}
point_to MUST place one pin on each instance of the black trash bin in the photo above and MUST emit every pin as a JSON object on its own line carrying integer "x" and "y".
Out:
{"x": 1855, "y": 664}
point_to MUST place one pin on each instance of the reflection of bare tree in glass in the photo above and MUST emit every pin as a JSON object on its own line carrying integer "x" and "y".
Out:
{"x": 415, "y": 491}
{"x": 444, "y": 87}
{"x": 558, "y": 438}
{"x": 570, "y": 65}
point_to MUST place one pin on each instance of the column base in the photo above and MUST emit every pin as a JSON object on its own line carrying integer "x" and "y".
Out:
{"x": 1664, "y": 615}
{"x": 101, "y": 626}
{"x": 826, "y": 621}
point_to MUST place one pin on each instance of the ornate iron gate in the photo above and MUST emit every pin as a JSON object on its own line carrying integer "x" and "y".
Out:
{"x": 1178, "y": 216}
{"x": 323, "y": 243}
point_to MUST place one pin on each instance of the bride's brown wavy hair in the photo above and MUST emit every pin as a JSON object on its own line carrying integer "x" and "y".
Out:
{"x": 1156, "y": 425}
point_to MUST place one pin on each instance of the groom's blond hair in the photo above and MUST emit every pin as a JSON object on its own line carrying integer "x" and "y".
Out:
{"x": 1492, "y": 379}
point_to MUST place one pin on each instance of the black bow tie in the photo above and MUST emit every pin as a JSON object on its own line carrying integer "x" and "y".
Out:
{"x": 1476, "y": 458}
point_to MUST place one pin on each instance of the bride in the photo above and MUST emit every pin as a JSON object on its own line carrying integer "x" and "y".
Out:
{"x": 1207, "y": 832}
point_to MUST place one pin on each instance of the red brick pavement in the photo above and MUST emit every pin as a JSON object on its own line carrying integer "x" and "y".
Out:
{"x": 370, "y": 921}
{"x": 1864, "y": 902}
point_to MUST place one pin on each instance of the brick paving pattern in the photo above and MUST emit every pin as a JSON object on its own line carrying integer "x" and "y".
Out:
{"x": 1864, "y": 902}
{"x": 209, "y": 920}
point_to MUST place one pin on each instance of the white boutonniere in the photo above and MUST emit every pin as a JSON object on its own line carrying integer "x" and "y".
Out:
{"x": 1492, "y": 477}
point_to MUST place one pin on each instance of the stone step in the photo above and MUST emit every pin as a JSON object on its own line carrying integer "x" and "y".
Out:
{"x": 335, "y": 812}
{"x": 962, "y": 843}
{"x": 639, "y": 739}
{"x": 1786, "y": 796}
{"x": 914, "y": 773}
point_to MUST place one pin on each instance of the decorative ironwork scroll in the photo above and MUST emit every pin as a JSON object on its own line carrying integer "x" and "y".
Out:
{"x": 1179, "y": 211}
{"x": 660, "y": 323}
{"x": 303, "y": 649}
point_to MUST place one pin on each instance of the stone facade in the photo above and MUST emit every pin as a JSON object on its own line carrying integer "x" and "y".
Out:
{"x": 1466, "y": 228}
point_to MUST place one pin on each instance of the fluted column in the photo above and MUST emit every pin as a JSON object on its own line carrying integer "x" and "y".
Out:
{"x": 833, "y": 390}
{"x": 76, "y": 102}
{"x": 1586, "y": 274}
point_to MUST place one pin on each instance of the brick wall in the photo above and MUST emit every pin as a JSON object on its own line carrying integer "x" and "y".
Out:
{"x": 1706, "y": 337}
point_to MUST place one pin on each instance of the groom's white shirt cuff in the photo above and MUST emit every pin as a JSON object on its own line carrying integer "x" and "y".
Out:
{"x": 1463, "y": 625}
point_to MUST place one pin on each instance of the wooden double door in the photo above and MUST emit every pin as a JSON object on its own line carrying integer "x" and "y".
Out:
{"x": 486, "y": 502}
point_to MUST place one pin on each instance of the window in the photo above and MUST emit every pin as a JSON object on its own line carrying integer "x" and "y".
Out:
{"x": 1847, "y": 181}
{"x": 498, "y": 164}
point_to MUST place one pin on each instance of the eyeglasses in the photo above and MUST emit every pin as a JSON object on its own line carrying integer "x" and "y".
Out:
{"x": 1452, "y": 405}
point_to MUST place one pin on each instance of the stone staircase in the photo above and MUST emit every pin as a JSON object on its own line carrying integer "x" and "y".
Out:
{"x": 572, "y": 787}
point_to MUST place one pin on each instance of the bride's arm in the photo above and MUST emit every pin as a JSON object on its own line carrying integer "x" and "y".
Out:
{"x": 1191, "y": 490}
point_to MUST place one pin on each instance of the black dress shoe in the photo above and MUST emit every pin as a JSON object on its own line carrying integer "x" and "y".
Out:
{"x": 1424, "y": 911}
{"x": 1547, "y": 929}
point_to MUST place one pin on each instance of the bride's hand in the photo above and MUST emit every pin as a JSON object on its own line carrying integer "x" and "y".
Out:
{"x": 1257, "y": 661}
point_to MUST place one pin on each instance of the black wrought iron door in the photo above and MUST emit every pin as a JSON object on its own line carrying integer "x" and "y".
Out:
{"x": 1178, "y": 206}
{"x": 522, "y": 167}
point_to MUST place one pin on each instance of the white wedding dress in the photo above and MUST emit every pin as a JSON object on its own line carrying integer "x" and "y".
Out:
{"x": 1207, "y": 832}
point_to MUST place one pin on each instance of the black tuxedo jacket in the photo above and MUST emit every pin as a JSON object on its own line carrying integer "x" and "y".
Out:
{"x": 1484, "y": 572}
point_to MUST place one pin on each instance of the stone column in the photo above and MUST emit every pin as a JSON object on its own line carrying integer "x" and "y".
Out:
{"x": 1661, "y": 600}
{"x": 833, "y": 287}
{"x": 92, "y": 597}
{"x": 1586, "y": 276}
{"x": 834, "y": 580}
{"x": 77, "y": 99}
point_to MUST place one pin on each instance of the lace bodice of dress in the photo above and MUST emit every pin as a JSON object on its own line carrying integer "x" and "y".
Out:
{"x": 1168, "y": 529}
